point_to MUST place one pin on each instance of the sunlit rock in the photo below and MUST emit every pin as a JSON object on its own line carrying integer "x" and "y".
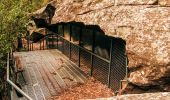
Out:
{"x": 143, "y": 24}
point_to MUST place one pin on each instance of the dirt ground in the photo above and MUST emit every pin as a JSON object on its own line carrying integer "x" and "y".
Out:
{"x": 91, "y": 89}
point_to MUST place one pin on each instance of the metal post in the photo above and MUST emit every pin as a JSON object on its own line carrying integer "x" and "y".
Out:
{"x": 46, "y": 42}
{"x": 126, "y": 77}
{"x": 63, "y": 40}
{"x": 111, "y": 47}
{"x": 32, "y": 46}
{"x": 46, "y": 39}
{"x": 92, "y": 57}
{"x": 28, "y": 44}
{"x": 9, "y": 91}
{"x": 57, "y": 36}
{"x": 52, "y": 41}
{"x": 80, "y": 35}
{"x": 43, "y": 43}
{"x": 40, "y": 45}
{"x": 70, "y": 42}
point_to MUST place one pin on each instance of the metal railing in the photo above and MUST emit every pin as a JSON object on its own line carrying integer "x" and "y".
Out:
{"x": 109, "y": 71}
{"x": 11, "y": 83}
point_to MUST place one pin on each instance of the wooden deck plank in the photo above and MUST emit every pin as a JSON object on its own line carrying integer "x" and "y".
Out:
{"x": 61, "y": 70}
{"x": 44, "y": 75}
{"x": 46, "y": 79}
{"x": 31, "y": 63}
{"x": 36, "y": 86}
{"x": 31, "y": 91}
{"x": 42, "y": 85}
{"x": 35, "y": 83}
{"x": 14, "y": 95}
{"x": 55, "y": 75}
{"x": 75, "y": 68}
{"x": 55, "y": 80}
{"x": 45, "y": 90}
{"x": 68, "y": 64}
{"x": 70, "y": 80}
{"x": 25, "y": 90}
{"x": 67, "y": 79}
{"x": 50, "y": 78}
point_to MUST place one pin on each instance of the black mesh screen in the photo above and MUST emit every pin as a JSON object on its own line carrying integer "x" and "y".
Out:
{"x": 85, "y": 61}
{"x": 118, "y": 65}
{"x": 88, "y": 38}
{"x": 60, "y": 44}
{"x": 52, "y": 42}
{"x": 74, "y": 54}
{"x": 100, "y": 70}
{"x": 66, "y": 48}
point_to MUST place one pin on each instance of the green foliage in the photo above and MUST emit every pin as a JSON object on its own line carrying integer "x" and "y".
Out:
{"x": 14, "y": 15}
{"x": 13, "y": 19}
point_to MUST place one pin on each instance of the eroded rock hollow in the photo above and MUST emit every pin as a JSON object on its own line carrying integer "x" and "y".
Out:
{"x": 143, "y": 24}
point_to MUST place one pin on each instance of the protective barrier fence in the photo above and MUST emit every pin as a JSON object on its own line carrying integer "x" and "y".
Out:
{"x": 110, "y": 71}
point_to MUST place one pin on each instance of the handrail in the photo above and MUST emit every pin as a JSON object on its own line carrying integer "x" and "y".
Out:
{"x": 106, "y": 60}
{"x": 93, "y": 54}
{"x": 13, "y": 84}
{"x": 45, "y": 37}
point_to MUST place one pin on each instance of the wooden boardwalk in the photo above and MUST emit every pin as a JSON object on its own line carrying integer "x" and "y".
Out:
{"x": 47, "y": 73}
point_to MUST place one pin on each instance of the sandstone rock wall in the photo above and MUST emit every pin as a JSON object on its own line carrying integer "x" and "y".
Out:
{"x": 146, "y": 96}
{"x": 143, "y": 24}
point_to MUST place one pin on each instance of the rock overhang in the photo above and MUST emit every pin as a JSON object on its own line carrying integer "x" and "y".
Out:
{"x": 144, "y": 25}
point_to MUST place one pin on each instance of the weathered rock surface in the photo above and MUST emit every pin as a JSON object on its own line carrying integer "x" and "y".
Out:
{"x": 143, "y": 24}
{"x": 164, "y": 2}
{"x": 146, "y": 96}
{"x": 133, "y": 2}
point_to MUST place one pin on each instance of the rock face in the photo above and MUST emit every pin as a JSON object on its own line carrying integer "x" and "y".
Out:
{"x": 143, "y": 24}
{"x": 146, "y": 96}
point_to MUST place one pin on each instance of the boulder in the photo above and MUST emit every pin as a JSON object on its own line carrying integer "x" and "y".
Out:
{"x": 143, "y": 24}
{"x": 145, "y": 96}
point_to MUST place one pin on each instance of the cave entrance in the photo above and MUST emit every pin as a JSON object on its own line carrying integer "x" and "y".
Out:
{"x": 98, "y": 55}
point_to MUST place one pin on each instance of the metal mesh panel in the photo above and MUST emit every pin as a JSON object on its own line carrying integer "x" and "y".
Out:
{"x": 118, "y": 65}
{"x": 66, "y": 48}
{"x": 74, "y": 54}
{"x": 100, "y": 70}
{"x": 60, "y": 44}
{"x": 52, "y": 42}
{"x": 85, "y": 61}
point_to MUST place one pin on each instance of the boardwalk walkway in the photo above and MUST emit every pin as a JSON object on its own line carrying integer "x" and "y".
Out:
{"x": 47, "y": 73}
